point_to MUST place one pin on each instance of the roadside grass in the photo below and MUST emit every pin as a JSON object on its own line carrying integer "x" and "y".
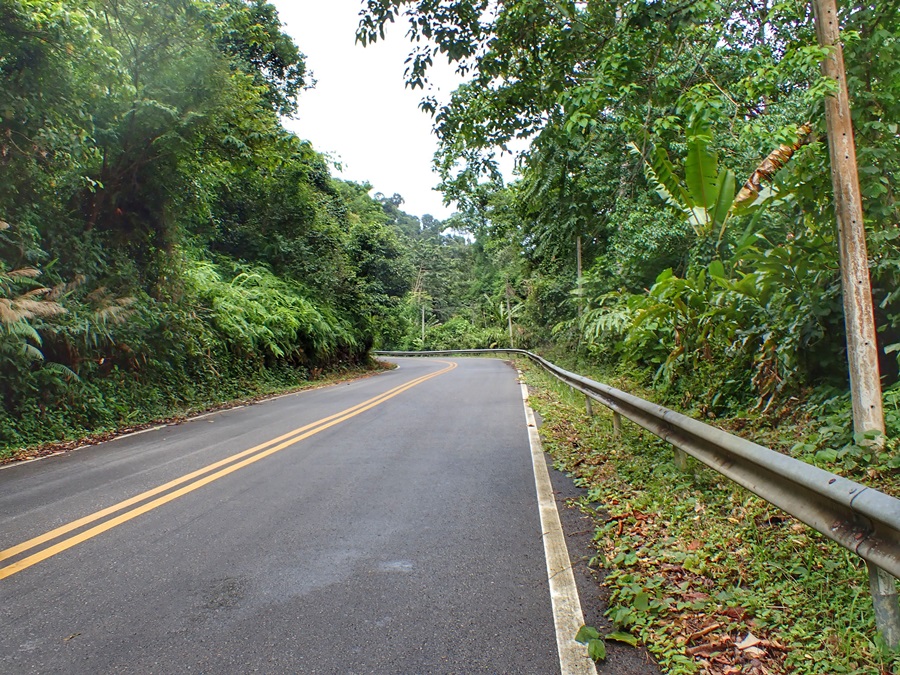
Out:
{"x": 157, "y": 409}
{"x": 711, "y": 578}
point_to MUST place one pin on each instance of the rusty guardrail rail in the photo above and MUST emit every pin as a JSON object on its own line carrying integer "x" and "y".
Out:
{"x": 859, "y": 518}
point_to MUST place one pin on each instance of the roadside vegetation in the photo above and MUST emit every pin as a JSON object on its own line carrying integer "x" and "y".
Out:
{"x": 240, "y": 390}
{"x": 709, "y": 577}
{"x": 672, "y": 220}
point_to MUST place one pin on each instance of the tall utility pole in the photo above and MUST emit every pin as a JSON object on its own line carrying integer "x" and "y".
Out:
{"x": 862, "y": 349}
{"x": 419, "y": 294}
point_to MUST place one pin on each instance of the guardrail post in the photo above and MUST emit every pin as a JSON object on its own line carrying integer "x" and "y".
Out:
{"x": 680, "y": 459}
{"x": 887, "y": 611}
{"x": 588, "y": 406}
{"x": 617, "y": 424}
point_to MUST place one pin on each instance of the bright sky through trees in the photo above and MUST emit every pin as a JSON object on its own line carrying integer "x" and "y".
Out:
{"x": 359, "y": 111}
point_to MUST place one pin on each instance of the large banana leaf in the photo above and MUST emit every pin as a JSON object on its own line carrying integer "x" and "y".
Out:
{"x": 701, "y": 170}
{"x": 707, "y": 201}
{"x": 724, "y": 197}
{"x": 661, "y": 172}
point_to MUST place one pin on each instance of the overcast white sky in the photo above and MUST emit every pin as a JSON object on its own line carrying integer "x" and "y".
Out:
{"x": 359, "y": 112}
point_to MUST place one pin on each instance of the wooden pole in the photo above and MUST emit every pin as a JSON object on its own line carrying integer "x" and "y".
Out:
{"x": 862, "y": 347}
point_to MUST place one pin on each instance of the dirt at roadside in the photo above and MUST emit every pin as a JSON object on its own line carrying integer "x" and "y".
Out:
{"x": 61, "y": 447}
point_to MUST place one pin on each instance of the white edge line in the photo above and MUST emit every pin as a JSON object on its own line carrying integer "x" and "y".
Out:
{"x": 33, "y": 459}
{"x": 81, "y": 447}
{"x": 567, "y": 615}
{"x": 203, "y": 416}
{"x": 128, "y": 435}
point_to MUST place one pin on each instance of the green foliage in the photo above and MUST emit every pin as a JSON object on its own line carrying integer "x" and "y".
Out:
{"x": 707, "y": 201}
{"x": 716, "y": 84}
{"x": 762, "y": 324}
{"x": 587, "y": 635}
{"x": 831, "y": 443}
{"x": 189, "y": 248}
{"x": 259, "y": 314}
{"x": 457, "y": 333}
{"x": 590, "y": 636}
{"x": 251, "y": 33}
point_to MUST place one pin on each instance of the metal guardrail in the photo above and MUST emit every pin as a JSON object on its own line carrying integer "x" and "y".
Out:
{"x": 859, "y": 518}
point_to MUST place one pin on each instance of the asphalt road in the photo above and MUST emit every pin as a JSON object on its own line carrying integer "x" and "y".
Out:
{"x": 400, "y": 537}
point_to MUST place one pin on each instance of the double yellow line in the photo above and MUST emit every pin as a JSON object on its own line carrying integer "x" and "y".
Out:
{"x": 189, "y": 482}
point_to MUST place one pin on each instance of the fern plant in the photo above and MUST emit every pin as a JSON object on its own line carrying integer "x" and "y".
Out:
{"x": 262, "y": 315}
{"x": 22, "y": 302}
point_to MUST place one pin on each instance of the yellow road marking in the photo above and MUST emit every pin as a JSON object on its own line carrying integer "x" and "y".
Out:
{"x": 280, "y": 443}
{"x": 81, "y": 522}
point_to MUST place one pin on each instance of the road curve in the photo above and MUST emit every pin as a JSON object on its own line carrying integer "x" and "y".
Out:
{"x": 388, "y": 525}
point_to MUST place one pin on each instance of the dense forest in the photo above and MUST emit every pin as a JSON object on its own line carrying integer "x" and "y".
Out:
{"x": 627, "y": 236}
{"x": 166, "y": 242}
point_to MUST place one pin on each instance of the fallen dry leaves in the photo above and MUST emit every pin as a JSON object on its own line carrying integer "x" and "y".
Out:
{"x": 717, "y": 637}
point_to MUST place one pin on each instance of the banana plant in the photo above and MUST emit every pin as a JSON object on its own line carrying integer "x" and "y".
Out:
{"x": 705, "y": 197}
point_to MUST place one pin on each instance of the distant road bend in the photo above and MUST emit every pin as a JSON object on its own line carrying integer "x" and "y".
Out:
{"x": 387, "y": 525}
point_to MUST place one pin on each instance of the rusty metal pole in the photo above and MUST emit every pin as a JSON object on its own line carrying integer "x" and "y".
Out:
{"x": 862, "y": 349}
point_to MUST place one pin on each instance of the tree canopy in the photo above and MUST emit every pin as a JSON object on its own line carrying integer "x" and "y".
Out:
{"x": 164, "y": 239}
